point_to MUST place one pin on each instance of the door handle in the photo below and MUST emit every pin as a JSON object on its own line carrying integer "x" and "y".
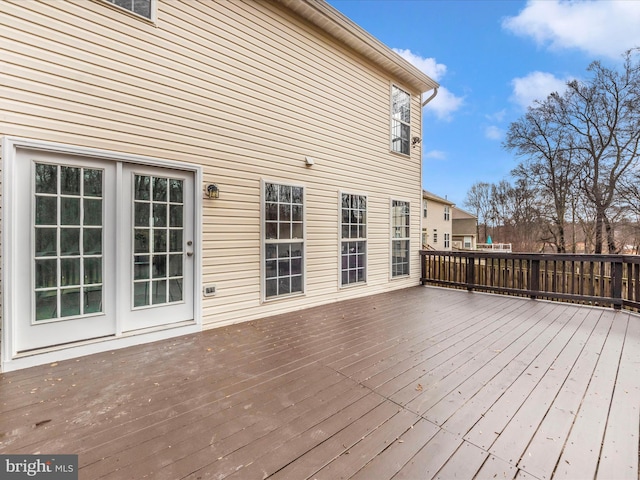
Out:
{"x": 189, "y": 254}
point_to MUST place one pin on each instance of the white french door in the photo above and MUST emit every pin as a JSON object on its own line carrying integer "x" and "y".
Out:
{"x": 157, "y": 259}
{"x": 103, "y": 248}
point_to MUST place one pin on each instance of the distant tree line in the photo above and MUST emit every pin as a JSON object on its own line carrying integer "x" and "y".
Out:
{"x": 576, "y": 187}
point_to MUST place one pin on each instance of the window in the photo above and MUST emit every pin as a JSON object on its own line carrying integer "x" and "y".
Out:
{"x": 400, "y": 120}
{"x": 424, "y": 208}
{"x": 446, "y": 240}
{"x": 283, "y": 239}
{"x": 435, "y": 235}
{"x": 353, "y": 245}
{"x": 447, "y": 213}
{"x": 139, "y": 7}
{"x": 467, "y": 242}
{"x": 400, "y": 221}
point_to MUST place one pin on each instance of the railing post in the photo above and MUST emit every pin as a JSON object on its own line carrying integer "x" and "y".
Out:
{"x": 471, "y": 272}
{"x": 616, "y": 286}
{"x": 423, "y": 268}
{"x": 534, "y": 281}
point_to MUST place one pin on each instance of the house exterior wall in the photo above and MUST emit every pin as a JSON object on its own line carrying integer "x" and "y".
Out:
{"x": 464, "y": 227}
{"x": 246, "y": 90}
{"x": 435, "y": 220}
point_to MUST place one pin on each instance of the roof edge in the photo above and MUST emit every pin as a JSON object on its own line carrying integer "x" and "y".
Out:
{"x": 337, "y": 25}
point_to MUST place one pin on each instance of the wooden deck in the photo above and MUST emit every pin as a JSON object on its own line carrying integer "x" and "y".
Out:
{"x": 415, "y": 384}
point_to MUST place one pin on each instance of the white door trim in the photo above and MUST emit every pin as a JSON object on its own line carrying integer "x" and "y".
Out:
{"x": 10, "y": 359}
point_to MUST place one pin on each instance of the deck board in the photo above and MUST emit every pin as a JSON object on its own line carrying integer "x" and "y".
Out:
{"x": 422, "y": 383}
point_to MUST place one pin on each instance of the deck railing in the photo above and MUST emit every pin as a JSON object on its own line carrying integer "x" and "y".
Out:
{"x": 591, "y": 279}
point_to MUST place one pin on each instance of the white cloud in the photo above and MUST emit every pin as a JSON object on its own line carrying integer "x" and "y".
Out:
{"x": 535, "y": 86}
{"x": 426, "y": 65}
{"x": 435, "y": 155}
{"x": 445, "y": 103}
{"x": 497, "y": 116}
{"x": 605, "y": 28}
{"x": 493, "y": 133}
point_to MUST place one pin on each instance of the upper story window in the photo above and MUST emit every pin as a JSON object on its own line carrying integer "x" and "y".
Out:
{"x": 447, "y": 213}
{"x": 400, "y": 120}
{"x": 143, "y": 8}
{"x": 424, "y": 208}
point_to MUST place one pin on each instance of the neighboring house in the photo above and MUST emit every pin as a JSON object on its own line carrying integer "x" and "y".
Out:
{"x": 464, "y": 229}
{"x": 170, "y": 166}
{"x": 436, "y": 222}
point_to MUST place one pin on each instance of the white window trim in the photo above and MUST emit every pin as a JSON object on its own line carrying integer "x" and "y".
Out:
{"x": 400, "y": 87}
{"x": 447, "y": 213}
{"x": 392, "y": 238}
{"x": 154, "y": 11}
{"x": 10, "y": 359}
{"x": 263, "y": 242}
{"x": 447, "y": 240}
{"x": 340, "y": 239}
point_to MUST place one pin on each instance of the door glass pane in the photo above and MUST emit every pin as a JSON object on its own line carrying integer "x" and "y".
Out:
{"x": 46, "y": 305}
{"x": 175, "y": 240}
{"x": 68, "y": 252}
{"x": 175, "y": 215}
{"x": 46, "y": 273}
{"x": 142, "y": 187}
{"x": 141, "y": 240}
{"x": 175, "y": 290}
{"x": 141, "y": 214}
{"x": 70, "y": 181}
{"x": 159, "y": 292}
{"x": 46, "y": 242}
{"x": 46, "y": 178}
{"x": 92, "y": 212}
{"x": 69, "y": 211}
{"x": 92, "y": 299}
{"x": 92, "y": 271}
{"x": 159, "y": 189}
{"x": 176, "y": 191}
{"x": 69, "y": 271}
{"x": 140, "y": 294}
{"x": 46, "y": 210}
{"x": 175, "y": 265}
{"x": 159, "y": 240}
{"x": 92, "y": 183}
{"x": 92, "y": 241}
{"x": 70, "y": 302}
{"x": 141, "y": 267}
{"x": 70, "y": 241}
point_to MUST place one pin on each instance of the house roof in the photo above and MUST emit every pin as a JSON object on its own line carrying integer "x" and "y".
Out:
{"x": 327, "y": 18}
{"x": 436, "y": 198}
{"x": 457, "y": 213}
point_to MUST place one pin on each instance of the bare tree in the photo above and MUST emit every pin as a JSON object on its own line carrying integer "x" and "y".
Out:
{"x": 603, "y": 114}
{"x": 545, "y": 143}
{"x": 478, "y": 200}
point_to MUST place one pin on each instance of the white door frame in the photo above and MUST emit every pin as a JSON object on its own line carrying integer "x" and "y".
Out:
{"x": 10, "y": 358}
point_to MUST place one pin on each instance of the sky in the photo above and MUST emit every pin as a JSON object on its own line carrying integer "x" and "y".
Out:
{"x": 492, "y": 59}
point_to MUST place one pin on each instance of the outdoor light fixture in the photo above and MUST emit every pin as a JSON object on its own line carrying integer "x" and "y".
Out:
{"x": 415, "y": 141}
{"x": 213, "y": 191}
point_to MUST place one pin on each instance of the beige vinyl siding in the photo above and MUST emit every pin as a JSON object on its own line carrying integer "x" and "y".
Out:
{"x": 243, "y": 88}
